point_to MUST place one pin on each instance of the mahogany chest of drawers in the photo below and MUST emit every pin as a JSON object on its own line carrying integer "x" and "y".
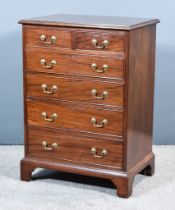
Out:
{"x": 88, "y": 96}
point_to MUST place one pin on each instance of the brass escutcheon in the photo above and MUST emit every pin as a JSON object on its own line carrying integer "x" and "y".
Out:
{"x": 97, "y": 96}
{"x": 102, "y": 70}
{"x": 53, "y": 89}
{"x": 52, "y": 147}
{"x": 47, "y": 66}
{"x": 104, "y": 44}
{"x": 44, "y": 39}
{"x": 51, "y": 119}
{"x": 100, "y": 124}
{"x": 101, "y": 155}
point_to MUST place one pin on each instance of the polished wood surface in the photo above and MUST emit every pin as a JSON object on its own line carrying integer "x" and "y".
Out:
{"x": 33, "y": 35}
{"x": 121, "y": 132}
{"x": 74, "y": 148}
{"x": 78, "y": 85}
{"x": 117, "y": 40}
{"x": 90, "y": 21}
{"x": 72, "y": 63}
{"x": 77, "y": 39}
{"x": 140, "y": 94}
{"x": 69, "y": 113}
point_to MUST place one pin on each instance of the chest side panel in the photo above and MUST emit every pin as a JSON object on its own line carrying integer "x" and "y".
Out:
{"x": 140, "y": 94}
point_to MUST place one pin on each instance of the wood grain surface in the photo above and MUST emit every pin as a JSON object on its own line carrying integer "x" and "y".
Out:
{"x": 74, "y": 148}
{"x": 140, "y": 94}
{"x": 74, "y": 116}
{"x": 90, "y": 21}
{"x": 32, "y": 36}
{"x": 74, "y": 63}
{"x": 117, "y": 40}
{"x": 75, "y": 89}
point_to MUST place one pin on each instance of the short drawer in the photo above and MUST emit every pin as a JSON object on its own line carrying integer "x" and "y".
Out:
{"x": 101, "y": 40}
{"x": 46, "y": 144}
{"x": 49, "y": 37}
{"x": 74, "y": 89}
{"x": 52, "y": 61}
{"x": 75, "y": 116}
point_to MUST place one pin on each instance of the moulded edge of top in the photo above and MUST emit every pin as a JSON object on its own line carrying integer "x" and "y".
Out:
{"x": 45, "y": 22}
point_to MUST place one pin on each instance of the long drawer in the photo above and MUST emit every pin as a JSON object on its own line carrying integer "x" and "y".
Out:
{"x": 75, "y": 116}
{"x": 74, "y": 89}
{"x": 67, "y": 62}
{"x": 56, "y": 145}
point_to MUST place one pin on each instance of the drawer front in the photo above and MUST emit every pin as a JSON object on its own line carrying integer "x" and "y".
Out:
{"x": 101, "y": 40}
{"x": 76, "y": 117}
{"x": 48, "y": 37}
{"x": 70, "y": 147}
{"x": 50, "y": 61}
{"x": 74, "y": 89}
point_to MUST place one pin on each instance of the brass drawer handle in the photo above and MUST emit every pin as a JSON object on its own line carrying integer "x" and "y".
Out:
{"x": 53, "y": 89}
{"x": 104, "y": 44}
{"x": 44, "y": 39}
{"x": 47, "y": 66}
{"x": 99, "y": 125}
{"x": 101, "y": 97}
{"x": 95, "y": 68}
{"x": 101, "y": 155}
{"x": 51, "y": 148}
{"x": 45, "y": 117}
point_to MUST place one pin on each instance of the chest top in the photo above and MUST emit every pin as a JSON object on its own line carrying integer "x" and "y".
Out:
{"x": 85, "y": 21}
